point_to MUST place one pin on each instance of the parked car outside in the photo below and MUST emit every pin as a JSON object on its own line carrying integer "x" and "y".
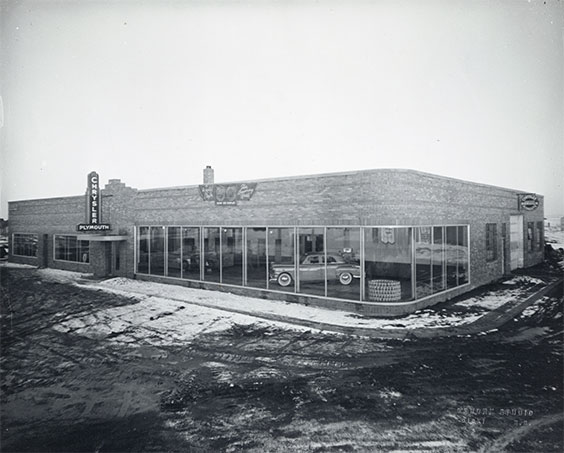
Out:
{"x": 3, "y": 250}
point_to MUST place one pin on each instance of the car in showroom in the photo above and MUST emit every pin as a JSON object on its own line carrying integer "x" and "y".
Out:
{"x": 191, "y": 262}
{"x": 312, "y": 268}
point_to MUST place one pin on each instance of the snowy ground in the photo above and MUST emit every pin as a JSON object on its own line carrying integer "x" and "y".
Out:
{"x": 176, "y": 323}
{"x": 187, "y": 312}
{"x": 554, "y": 237}
{"x": 84, "y": 369}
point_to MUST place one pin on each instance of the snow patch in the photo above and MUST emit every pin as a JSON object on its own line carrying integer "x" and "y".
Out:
{"x": 16, "y": 265}
{"x": 524, "y": 279}
{"x": 554, "y": 238}
{"x": 158, "y": 321}
{"x": 60, "y": 276}
{"x": 422, "y": 319}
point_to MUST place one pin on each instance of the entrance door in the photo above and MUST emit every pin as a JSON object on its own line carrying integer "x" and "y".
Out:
{"x": 108, "y": 258}
{"x": 516, "y": 242}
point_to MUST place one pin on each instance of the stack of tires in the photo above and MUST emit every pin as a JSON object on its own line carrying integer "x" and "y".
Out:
{"x": 384, "y": 290}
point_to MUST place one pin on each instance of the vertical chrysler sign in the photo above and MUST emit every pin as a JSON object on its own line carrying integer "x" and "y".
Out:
{"x": 93, "y": 199}
{"x": 94, "y": 206}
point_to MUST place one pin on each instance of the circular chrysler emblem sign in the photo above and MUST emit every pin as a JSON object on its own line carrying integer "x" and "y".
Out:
{"x": 529, "y": 202}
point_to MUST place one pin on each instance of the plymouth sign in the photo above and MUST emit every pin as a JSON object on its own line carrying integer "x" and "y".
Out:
{"x": 91, "y": 227}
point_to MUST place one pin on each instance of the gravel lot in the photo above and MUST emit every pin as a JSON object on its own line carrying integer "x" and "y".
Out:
{"x": 86, "y": 370}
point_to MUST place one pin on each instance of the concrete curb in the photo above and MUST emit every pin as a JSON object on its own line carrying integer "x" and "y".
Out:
{"x": 489, "y": 321}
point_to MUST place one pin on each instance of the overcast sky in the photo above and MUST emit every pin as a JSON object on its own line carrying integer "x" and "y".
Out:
{"x": 152, "y": 92}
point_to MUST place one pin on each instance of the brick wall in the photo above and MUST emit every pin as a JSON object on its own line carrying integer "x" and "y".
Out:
{"x": 374, "y": 197}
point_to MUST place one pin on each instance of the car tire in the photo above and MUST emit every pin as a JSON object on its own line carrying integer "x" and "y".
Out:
{"x": 345, "y": 278}
{"x": 284, "y": 279}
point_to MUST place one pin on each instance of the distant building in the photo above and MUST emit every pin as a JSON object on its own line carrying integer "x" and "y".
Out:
{"x": 3, "y": 227}
{"x": 375, "y": 242}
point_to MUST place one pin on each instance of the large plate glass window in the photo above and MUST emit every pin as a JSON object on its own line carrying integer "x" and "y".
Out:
{"x": 388, "y": 264}
{"x": 24, "y": 244}
{"x": 423, "y": 261}
{"x": 143, "y": 250}
{"x": 451, "y": 256}
{"x": 343, "y": 263}
{"x": 174, "y": 257}
{"x": 212, "y": 250}
{"x": 191, "y": 253}
{"x": 312, "y": 261}
{"x": 438, "y": 259}
{"x": 69, "y": 248}
{"x": 282, "y": 269}
{"x": 157, "y": 251}
{"x": 232, "y": 256}
{"x": 463, "y": 255}
{"x": 256, "y": 257}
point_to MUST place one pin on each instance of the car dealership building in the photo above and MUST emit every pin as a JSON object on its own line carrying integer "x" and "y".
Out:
{"x": 374, "y": 242}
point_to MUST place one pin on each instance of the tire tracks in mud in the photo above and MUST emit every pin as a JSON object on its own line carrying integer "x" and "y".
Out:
{"x": 517, "y": 434}
{"x": 27, "y": 324}
{"x": 311, "y": 356}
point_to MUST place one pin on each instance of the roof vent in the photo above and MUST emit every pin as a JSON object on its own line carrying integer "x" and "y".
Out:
{"x": 208, "y": 175}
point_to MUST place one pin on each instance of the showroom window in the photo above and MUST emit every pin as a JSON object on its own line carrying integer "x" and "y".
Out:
{"x": 463, "y": 268}
{"x": 143, "y": 245}
{"x": 191, "y": 268}
{"x": 423, "y": 261}
{"x": 211, "y": 261}
{"x": 157, "y": 255}
{"x": 373, "y": 264}
{"x": 343, "y": 263}
{"x": 311, "y": 265}
{"x": 456, "y": 255}
{"x": 256, "y": 258}
{"x": 24, "y": 244}
{"x": 438, "y": 260}
{"x": 491, "y": 241}
{"x": 388, "y": 264}
{"x": 175, "y": 259}
{"x": 281, "y": 259}
{"x": 232, "y": 256}
{"x": 70, "y": 248}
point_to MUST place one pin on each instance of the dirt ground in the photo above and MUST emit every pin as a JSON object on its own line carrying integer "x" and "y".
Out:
{"x": 269, "y": 388}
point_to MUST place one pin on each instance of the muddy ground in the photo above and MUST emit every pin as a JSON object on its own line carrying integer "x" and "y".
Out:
{"x": 269, "y": 388}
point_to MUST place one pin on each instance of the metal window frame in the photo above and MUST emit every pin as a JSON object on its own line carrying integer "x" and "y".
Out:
{"x": 294, "y": 229}
{"x": 78, "y": 248}
{"x": 13, "y": 248}
{"x": 245, "y": 255}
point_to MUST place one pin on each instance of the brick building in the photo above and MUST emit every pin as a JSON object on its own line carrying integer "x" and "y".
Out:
{"x": 376, "y": 242}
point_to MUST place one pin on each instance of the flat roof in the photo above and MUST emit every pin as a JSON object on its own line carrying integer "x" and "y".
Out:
{"x": 297, "y": 177}
{"x": 346, "y": 173}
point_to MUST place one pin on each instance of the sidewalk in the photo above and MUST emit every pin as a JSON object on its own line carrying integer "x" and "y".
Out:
{"x": 481, "y": 310}
{"x": 463, "y": 316}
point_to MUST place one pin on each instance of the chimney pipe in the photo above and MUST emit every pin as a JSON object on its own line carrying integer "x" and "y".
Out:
{"x": 208, "y": 175}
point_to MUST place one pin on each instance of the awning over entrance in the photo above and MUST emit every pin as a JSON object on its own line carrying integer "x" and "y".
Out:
{"x": 99, "y": 238}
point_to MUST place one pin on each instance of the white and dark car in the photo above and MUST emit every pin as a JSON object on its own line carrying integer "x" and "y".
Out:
{"x": 312, "y": 269}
